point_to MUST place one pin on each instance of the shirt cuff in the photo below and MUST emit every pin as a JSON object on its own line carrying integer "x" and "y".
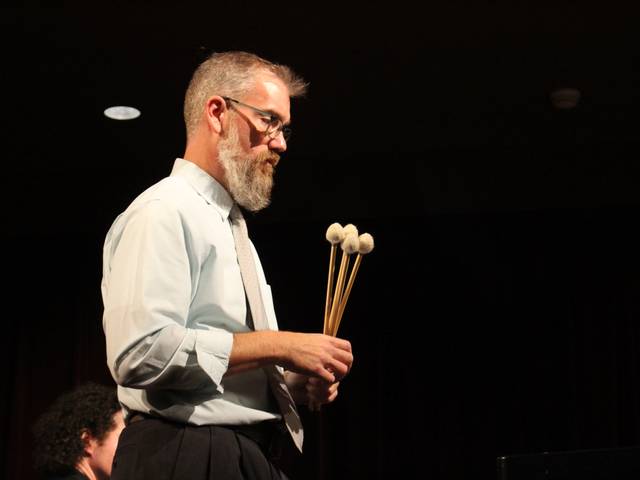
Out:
{"x": 213, "y": 349}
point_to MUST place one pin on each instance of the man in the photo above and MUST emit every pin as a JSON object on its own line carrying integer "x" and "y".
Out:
{"x": 76, "y": 437}
{"x": 192, "y": 338}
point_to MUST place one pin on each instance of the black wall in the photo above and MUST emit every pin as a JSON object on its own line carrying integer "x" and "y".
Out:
{"x": 499, "y": 311}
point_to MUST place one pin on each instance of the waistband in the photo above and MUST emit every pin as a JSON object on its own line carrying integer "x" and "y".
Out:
{"x": 269, "y": 435}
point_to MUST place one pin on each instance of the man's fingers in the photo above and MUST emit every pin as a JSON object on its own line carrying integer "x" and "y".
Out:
{"x": 321, "y": 356}
{"x": 342, "y": 344}
{"x": 326, "y": 374}
{"x": 317, "y": 382}
{"x": 341, "y": 363}
{"x": 339, "y": 369}
{"x": 320, "y": 391}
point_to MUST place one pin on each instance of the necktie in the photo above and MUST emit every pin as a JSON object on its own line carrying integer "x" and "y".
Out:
{"x": 256, "y": 306}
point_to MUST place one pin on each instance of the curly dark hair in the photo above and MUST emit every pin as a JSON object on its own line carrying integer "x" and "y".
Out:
{"x": 57, "y": 432}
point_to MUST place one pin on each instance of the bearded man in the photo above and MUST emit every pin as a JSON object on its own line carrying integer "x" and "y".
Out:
{"x": 207, "y": 381}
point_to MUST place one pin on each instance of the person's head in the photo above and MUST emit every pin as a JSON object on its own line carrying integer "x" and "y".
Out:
{"x": 237, "y": 113}
{"x": 79, "y": 431}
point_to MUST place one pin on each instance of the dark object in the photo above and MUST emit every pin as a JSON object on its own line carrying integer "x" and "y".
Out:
{"x": 600, "y": 464}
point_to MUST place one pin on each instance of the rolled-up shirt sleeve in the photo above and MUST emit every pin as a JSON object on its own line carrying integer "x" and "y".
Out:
{"x": 147, "y": 291}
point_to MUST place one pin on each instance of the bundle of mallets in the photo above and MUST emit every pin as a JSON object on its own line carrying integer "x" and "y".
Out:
{"x": 348, "y": 239}
{"x": 351, "y": 243}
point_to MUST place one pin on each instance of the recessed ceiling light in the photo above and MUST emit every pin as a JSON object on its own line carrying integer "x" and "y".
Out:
{"x": 122, "y": 112}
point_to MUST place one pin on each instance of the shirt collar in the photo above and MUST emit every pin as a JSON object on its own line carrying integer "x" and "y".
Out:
{"x": 206, "y": 186}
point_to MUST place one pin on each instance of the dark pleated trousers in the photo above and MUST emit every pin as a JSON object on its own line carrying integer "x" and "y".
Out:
{"x": 155, "y": 449}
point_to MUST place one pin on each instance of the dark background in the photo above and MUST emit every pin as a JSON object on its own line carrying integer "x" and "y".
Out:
{"x": 499, "y": 311}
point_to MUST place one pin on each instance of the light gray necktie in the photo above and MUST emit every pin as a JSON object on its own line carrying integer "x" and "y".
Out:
{"x": 252, "y": 289}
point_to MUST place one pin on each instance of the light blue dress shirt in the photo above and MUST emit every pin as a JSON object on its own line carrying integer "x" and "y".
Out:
{"x": 173, "y": 297}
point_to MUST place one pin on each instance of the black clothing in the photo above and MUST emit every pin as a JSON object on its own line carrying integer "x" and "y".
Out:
{"x": 174, "y": 451}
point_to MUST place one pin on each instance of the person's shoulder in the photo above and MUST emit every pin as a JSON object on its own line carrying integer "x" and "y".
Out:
{"x": 162, "y": 196}
{"x": 173, "y": 187}
{"x": 170, "y": 191}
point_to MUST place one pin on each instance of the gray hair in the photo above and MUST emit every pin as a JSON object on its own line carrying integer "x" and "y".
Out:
{"x": 232, "y": 74}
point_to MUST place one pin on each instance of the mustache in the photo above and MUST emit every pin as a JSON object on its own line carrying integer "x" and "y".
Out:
{"x": 271, "y": 157}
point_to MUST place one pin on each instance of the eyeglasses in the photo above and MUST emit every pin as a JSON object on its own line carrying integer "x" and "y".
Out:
{"x": 273, "y": 122}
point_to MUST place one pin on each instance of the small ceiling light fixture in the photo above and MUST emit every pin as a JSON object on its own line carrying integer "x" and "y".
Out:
{"x": 122, "y": 112}
{"x": 565, "y": 98}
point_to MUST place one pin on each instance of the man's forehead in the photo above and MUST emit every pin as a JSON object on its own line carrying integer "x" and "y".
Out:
{"x": 268, "y": 83}
{"x": 272, "y": 94}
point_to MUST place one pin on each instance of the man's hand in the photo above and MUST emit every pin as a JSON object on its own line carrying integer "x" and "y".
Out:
{"x": 310, "y": 354}
{"x": 310, "y": 390}
{"x": 317, "y": 355}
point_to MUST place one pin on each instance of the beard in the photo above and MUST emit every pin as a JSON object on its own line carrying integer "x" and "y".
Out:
{"x": 249, "y": 177}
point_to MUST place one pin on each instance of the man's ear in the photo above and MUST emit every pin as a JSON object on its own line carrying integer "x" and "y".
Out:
{"x": 89, "y": 442}
{"x": 215, "y": 111}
